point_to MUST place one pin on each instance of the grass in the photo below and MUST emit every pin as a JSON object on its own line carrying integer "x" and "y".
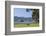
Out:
{"x": 26, "y": 25}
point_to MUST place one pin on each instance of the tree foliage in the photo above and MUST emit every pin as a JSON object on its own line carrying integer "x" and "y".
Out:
{"x": 22, "y": 20}
{"x": 35, "y": 14}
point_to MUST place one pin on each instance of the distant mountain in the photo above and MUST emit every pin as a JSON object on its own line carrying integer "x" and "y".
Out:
{"x": 22, "y": 19}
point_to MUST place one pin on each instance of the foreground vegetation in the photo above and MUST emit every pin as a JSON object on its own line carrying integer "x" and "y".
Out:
{"x": 26, "y": 25}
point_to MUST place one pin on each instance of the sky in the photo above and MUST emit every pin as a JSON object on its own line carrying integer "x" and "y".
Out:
{"x": 21, "y": 12}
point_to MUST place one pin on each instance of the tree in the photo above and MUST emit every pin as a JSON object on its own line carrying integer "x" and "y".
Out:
{"x": 22, "y": 20}
{"x": 35, "y": 14}
{"x": 28, "y": 24}
{"x": 28, "y": 10}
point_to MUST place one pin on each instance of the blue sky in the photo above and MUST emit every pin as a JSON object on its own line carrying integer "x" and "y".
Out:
{"x": 21, "y": 12}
